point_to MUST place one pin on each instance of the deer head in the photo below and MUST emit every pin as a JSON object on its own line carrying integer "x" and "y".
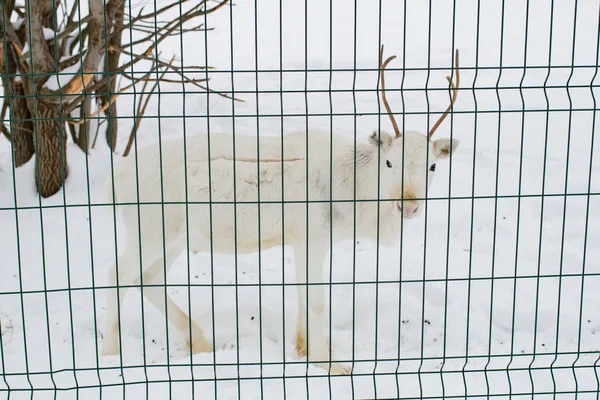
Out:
{"x": 408, "y": 160}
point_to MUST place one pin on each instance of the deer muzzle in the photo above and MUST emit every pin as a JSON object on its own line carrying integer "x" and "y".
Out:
{"x": 408, "y": 206}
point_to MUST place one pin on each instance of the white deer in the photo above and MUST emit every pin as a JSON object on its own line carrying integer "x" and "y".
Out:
{"x": 300, "y": 204}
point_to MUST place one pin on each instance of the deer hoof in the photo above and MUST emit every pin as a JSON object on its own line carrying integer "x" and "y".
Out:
{"x": 109, "y": 349}
{"x": 335, "y": 368}
{"x": 200, "y": 346}
{"x": 339, "y": 369}
{"x": 300, "y": 344}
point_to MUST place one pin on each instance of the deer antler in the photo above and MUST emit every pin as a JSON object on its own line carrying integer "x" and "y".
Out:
{"x": 385, "y": 102}
{"x": 454, "y": 89}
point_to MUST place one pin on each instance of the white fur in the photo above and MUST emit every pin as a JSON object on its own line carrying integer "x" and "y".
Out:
{"x": 323, "y": 171}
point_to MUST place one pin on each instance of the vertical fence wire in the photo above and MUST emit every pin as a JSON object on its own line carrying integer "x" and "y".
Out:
{"x": 472, "y": 205}
{"x": 187, "y": 209}
{"x": 66, "y": 221}
{"x": 584, "y": 261}
{"x": 588, "y": 199}
{"x": 449, "y": 209}
{"x": 377, "y": 237}
{"x": 165, "y": 250}
{"x": 305, "y": 288}
{"x": 519, "y": 202}
{"x": 138, "y": 209}
{"x": 426, "y": 216}
{"x": 331, "y": 197}
{"x": 36, "y": 135}
{"x": 12, "y": 98}
{"x": 354, "y": 195}
{"x": 565, "y": 200}
{"x": 494, "y": 253}
{"x": 283, "y": 202}
{"x": 95, "y": 301}
{"x": 258, "y": 199}
{"x": 210, "y": 217}
{"x": 235, "y": 208}
{"x": 519, "y": 192}
{"x": 542, "y": 199}
{"x": 2, "y": 349}
{"x": 401, "y": 246}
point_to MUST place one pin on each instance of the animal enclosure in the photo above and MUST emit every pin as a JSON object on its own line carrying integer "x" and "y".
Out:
{"x": 282, "y": 222}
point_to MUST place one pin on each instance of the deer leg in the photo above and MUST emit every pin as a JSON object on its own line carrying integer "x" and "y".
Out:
{"x": 155, "y": 275}
{"x": 128, "y": 273}
{"x": 316, "y": 346}
{"x": 301, "y": 281}
{"x": 110, "y": 344}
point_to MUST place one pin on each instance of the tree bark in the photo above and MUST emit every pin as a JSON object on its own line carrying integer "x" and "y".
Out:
{"x": 49, "y": 137}
{"x": 115, "y": 11}
{"x": 83, "y": 140}
{"x": 51, "y": 155}
{"x": 21, "y": 126}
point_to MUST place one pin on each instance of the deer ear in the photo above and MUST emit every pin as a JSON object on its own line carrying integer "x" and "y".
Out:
{"x": 443, "y": 147}
{"x": 381, "y": 139}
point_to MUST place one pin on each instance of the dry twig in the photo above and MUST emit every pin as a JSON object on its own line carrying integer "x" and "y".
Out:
{"x": 140, "y": 113}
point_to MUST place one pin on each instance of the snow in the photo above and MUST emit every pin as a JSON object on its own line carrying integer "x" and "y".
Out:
{"x": 459, "y": 301}
{"x": 69, "y": 57}
{"x": 62, "y": 79}
{"x": 17, "y": 23}
{"x": 18, "y": 75}
{"x": 49, "y": 33}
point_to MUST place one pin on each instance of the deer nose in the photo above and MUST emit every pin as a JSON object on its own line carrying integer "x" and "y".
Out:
{"x": 409, "y": 208}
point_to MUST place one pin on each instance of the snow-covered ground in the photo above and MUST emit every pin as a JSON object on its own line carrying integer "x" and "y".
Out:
{"x": 493, "y": 294}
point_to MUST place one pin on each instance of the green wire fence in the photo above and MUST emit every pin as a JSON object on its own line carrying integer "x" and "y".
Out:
{"x": 489, "y": 293}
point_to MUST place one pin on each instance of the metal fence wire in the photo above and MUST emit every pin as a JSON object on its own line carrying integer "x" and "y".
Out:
{"x": 234, "y": 165}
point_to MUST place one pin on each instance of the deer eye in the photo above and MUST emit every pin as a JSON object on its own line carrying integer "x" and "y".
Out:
{"x": 388, "y": 163}
{"x": 432, "y": 168}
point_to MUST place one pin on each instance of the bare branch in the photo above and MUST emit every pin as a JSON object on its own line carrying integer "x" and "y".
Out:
{"x": 76, "y": 59}
{"x": 175, "y": 25}
{"x": 41, "y": 57}
{"x": 5, "y": 104}
{"x": 84, "y": 129}
{"x": 115, "y": 12}
{"x": 139, "y": 107}
{"x": 72, "y": 26}
{"x": 97, "y": 132}
{"x": 4, "y": 108}
{"x": 105, "y": 106}
{"x": 5, "y": 131}
{"x": 92, "y": 59}
{"x": 137, "y": 57}
{"x": 176, "y": 81}
{"x": 174, "y": 33}
{"x": 73, "y": 132}
{"x": 155, "y": 13}
{"x": 140, "y": 113}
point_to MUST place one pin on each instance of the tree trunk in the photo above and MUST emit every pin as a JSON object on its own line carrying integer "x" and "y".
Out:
{"x": 84, "y": 129}
{"x": 112, "y": 130}
{"x": 51, "y": 155}
{"x": 21, "y": 127}
{"x": 49, "y": 137}
{"x": 114, "y": 18}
